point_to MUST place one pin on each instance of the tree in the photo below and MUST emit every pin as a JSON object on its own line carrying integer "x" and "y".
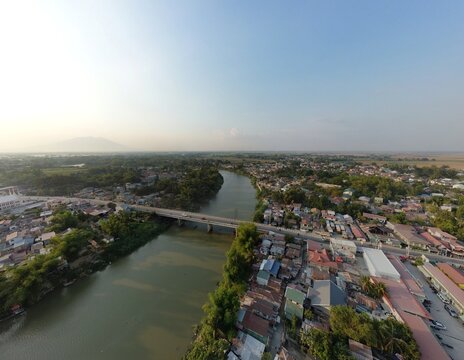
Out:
{"x": 63, "y": 220}
{"x": 365, "y": 283}
{"x": 266, "y": 356}
{"x": 325, "y": 346}
{"x": 112, "y": 206}
{"x": 308, "y": 314}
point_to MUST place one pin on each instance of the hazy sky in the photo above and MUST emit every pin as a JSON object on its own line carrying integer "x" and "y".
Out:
{"x": 234, "y": 75}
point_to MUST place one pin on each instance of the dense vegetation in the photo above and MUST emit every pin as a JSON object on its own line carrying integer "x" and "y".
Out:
{"x": 218, "y": 325}
{"x": 130, "y": 231}
{"x": 41, "y": 182}
{"x": 55, "y": 175}
{"x": 29, "y": 282}
{"x": 375, "y": 290}
{"x": 387, "y": 336}
{"x": 195, "y": 187}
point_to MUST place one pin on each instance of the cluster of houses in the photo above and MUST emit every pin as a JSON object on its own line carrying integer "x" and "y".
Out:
{"x": 369, "y": 227}
{"x": 289, "y": 278}
{"x": 23, "y": 237}
{"x": 304, "y": 280}
{"x": 28, "y": 235}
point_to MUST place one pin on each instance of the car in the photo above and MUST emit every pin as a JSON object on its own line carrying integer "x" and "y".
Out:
{"x": 438, "y": 337}
{"x": 448, "y": 345}
{"x": 443, "y": 298}
{"x": 437, "y": 324}
{"x": 451, "y": 311}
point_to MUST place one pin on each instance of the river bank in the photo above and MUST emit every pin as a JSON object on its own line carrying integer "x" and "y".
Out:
{"x": 142, "y": 306}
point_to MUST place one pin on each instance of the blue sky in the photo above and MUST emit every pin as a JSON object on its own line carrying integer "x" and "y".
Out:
{"x": 235, "y": 75}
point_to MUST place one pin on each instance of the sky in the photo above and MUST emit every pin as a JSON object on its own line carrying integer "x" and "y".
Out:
{"x": 234, "y": 75}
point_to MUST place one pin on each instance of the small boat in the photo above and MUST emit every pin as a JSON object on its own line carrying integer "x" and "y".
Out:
{"x": 17, "y": 310}
{"x": 69, "y": 282}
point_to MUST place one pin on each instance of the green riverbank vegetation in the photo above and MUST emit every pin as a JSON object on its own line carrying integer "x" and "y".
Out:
{"x": 217, "y": 329}
{"x": 86, "y": 246}
{"x": 387, "y": 336}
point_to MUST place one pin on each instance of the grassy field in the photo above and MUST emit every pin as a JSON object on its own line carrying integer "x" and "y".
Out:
{"x": 454, "y": 161}
{"x": 62, "y": 170}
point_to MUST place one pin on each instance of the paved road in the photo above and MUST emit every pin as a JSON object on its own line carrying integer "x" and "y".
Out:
{"x": 234, "y": 223}
{"x": 454, "y": 334}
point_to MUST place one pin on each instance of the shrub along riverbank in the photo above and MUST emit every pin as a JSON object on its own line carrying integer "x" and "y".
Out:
{"x": 73, "y": 256}
{"x": 213, "y": 334}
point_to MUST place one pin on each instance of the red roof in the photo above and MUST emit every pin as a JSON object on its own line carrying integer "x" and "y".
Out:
{"x": 319, "y": 256}
{"x": 313, "y": 245}
{"x": 432, "y": 240}
{"x": 446, "y": 282}
{"x": 357, "y": 232}
{"x": 429, "y": 346}
{"x": 401, "y": 299}
{"x": 406, "y": 276}
{"x": 455, "y": 275}
{"x": 256, "y": 324}
{"x": 415, "y": 317}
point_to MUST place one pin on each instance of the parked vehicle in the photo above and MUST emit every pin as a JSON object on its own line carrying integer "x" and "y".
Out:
{"x": 451, "y": 311}
{"x": 437, "y": 324}
{"x": 443, "y": 298}
{"x": 448, "y": 345}
{"x": 439, "y": 337}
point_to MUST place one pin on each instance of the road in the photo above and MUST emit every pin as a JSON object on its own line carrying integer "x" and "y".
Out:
{"x": 454, "y": 334}
{"x": 234, "y": 223}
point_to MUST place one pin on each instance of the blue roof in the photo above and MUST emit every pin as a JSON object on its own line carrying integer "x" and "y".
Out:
{"x": 270, "y": 265}
{"x": 275, "y": 268}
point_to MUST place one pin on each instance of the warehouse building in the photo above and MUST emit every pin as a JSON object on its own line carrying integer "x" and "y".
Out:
{"x": 379, "y": 265}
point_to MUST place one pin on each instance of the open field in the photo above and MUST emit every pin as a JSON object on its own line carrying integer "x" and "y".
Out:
{"x": 62, "y": 170}
{"x": 454, "y": 161}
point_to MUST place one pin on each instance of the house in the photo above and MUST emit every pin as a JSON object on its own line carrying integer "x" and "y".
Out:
{"x": 409, "y": 235}
{"x": 360, "y": 351}
{"x": 46, "y": 237}
{"x": 357, "y": 233}
{"x": 324, "y": 294}
{"x": 262, "y": 278}
{"x": 271, "y": 266}
{"x": 321, "y": 260}
{"x": 380, "y": 219}
{"x": 294, "y": 300}
{"x": 348, "y": 193}
{"x": 306, "y": 224}
{"x": 365, "y": 199}
{"x": 254, "y": 325}
{"x": 247, "y": 348}
{"x": 345, "y": 249}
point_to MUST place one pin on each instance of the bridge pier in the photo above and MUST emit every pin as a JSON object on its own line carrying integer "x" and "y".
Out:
{"x": 180, "y": 222}
{"x": 209, "y": 228}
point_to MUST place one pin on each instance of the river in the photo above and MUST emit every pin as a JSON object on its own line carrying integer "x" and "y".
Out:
{"x": 143, "y": 306}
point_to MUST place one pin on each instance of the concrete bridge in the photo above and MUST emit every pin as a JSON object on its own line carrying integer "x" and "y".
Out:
{"x": 212, "y": 221}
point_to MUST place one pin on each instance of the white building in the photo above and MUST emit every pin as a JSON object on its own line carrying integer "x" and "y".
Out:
{"x": 344, "y": 248}
{"x": 8, "y": 202}
{"x": 379, "y": 265}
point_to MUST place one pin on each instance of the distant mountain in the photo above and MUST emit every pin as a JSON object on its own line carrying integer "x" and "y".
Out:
{"x": 83, "y": 144}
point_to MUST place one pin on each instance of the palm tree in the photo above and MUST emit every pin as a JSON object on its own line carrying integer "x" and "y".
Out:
{"x": 380, "y": 289}
{"x": 365, "y": 283}
{"x": 393, "y": 336}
